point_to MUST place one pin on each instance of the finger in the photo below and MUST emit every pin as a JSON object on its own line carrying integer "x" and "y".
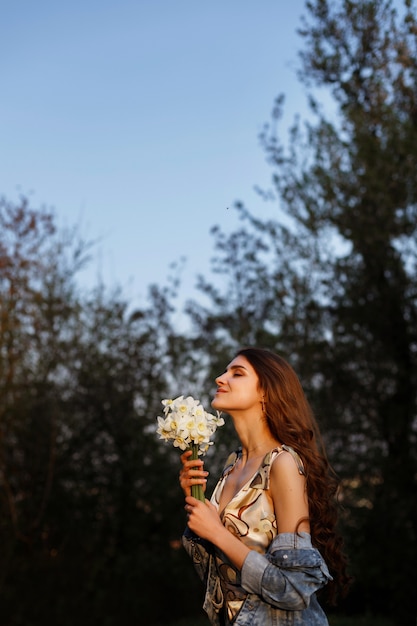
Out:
{"x": 184, "y": 456}
{"x": 194, "y": 481}
{"x": 191, "y": 470}
{"x": 194, "y": 465}
{"x": 197, "y": 474}
{"x": 192, "y": 501}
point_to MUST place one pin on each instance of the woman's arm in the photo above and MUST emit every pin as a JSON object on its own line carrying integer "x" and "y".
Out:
{"x": 289, "y": 494}
{"x": 204, "y": 520}
{"x": 292, "y": 570}
{"x": 290, "y": 502}
{"x": 288, "y": 575}
{"x": 285, "y": 577}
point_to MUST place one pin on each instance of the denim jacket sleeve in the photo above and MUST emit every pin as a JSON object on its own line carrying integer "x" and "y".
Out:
{"x": 199, "y": 550}
{"x": 288, "y": 574}
{"x": 201, "y": 553}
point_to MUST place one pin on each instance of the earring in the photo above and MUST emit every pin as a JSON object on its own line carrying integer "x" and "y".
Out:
{"x": 263, "y": 404}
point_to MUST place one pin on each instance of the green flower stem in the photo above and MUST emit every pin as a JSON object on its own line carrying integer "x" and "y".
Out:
{"x": 196, "y": 490}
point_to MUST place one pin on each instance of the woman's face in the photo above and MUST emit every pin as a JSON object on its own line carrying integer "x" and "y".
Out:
{"x": 237, "y": 387}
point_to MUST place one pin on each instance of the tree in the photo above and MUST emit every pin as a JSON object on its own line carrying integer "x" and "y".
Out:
{"x": 90, "y": 506}
{"x": 36, "y": 296}
{"x": 337, "y": 287}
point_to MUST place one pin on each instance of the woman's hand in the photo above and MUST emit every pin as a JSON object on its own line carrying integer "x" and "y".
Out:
{"x": 203, "y": 518}
{"x": 192, "y": 473}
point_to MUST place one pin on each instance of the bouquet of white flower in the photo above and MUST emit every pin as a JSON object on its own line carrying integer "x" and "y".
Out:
{"x": 189, "y": 427}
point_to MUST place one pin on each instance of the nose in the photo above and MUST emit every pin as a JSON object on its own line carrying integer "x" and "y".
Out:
{"x": 219, "y": 380}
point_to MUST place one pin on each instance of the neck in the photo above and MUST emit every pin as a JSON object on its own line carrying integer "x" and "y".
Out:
{"x": 259, "y": 449}
{"x": 253, "y": 433}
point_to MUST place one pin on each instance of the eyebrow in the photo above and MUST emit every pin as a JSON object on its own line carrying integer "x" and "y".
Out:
{"x": 236, "y": 367}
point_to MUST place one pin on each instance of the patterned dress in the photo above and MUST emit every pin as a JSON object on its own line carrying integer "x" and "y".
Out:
{"x": 250, "y": 516}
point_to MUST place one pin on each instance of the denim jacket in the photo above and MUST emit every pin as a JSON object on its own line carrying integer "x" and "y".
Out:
{"x": 280, "y": 584}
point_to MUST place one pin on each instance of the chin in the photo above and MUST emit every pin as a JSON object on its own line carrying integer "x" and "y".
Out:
{"x": 216, "y": 403}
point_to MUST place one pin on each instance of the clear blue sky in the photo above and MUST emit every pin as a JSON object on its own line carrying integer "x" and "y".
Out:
{"x": 139, "y": 120}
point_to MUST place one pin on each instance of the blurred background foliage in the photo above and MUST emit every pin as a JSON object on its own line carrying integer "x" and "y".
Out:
{"x": 91, "y": 513}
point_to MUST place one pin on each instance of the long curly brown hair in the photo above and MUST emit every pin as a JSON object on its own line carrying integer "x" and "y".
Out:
{"x": 291, "y": 421}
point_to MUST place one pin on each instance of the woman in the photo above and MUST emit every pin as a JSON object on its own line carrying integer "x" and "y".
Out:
{"x": 266, "y": 541}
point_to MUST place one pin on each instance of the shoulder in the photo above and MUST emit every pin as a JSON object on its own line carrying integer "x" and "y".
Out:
{"x": 287, "y": 468}
{"x": 288, "y": 489}
{"x": 287, "y": 452}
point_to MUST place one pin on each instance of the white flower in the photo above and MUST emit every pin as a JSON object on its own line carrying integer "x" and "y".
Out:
{"x": 186, "y": 423}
